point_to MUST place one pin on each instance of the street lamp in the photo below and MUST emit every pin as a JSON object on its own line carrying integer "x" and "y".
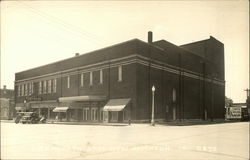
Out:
{"x": 152, "y": 117}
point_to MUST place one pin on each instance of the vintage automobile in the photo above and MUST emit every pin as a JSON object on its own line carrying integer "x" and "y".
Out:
{"x": 30, "y": 117}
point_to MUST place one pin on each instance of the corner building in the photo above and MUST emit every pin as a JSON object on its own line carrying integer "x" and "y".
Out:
{"x": 114, "y": 84}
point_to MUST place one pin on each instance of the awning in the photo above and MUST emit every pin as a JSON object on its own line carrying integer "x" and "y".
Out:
{"x": 60, "y": 109}
{"x": 116, "y": 104}
{"x": 20, "y": 108}
{"x": 82, "y": 98}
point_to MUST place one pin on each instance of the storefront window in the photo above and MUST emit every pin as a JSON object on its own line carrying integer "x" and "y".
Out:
{"x": 114, "y": 116}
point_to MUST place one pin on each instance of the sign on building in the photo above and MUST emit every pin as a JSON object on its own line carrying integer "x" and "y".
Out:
{"x": 233, "y": 112}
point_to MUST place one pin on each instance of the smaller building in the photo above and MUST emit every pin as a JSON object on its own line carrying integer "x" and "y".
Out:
{"x": 7, "y": 103}
{"x": 237, "y": 111}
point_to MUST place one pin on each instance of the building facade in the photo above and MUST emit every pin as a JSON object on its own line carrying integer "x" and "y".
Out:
{"x": 7, "y": 103}
{"x": 114, "y": 84}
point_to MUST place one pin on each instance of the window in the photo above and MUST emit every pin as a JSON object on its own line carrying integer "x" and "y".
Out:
{"x": 85, "y": 114}
{"x": 25, "y": 89}
{"x": 44, "y": 87}
{"x": 94, "y": 116}
{"x": 174, "y": 95}
{"x": 101, "y": 114}
{"x": 19, "y": 90}
{"x": 68, "y": 81}
{"x": 114, "y": 116}
{"x": 82, "y": 79}
{"x": 40, "y": 88}
{"x": 49, "y": 86}
{"x": 101, "y": 76}
{"x": 32, "y": 87}
{"x": 54, "y": 86}
{"x": 120, "y": 73}
{"x": 91, "y": 78}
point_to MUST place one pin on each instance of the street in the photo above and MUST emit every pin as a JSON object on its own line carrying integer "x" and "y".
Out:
{"x": 138, "y": 141}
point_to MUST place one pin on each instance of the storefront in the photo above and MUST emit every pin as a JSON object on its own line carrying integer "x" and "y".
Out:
{"x": 44, "y": 108}
{"x": 80, "y": 108}
{"x": 21, "y": 107}
{"x": 117, "y": 110}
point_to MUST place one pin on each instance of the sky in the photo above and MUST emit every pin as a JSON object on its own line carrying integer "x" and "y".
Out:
{"x": 35, "y": 33}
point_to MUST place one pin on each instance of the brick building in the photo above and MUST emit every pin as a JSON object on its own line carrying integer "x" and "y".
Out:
{"x": 114, "y": 84}
{"x": 7, "y": 103}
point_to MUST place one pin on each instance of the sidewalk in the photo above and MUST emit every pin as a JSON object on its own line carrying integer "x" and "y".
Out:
{"x": 75, "y": 123}
{"x": 168, "y": 123}
{"x": 88, "y": 123}
{"x": 7, "y": 121}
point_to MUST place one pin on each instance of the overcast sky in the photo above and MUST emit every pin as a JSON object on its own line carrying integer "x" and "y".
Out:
{"x": 35, "y": 33}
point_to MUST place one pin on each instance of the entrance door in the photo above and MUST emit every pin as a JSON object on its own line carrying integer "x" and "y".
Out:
{"x": 93, "y": 114}
{"x": 85, "y": 114}
{"x": 114, "y": 116}
{"x": 105, "y": 116}
{"x": 101, "y": 115}
{"x": 174, "y": 114}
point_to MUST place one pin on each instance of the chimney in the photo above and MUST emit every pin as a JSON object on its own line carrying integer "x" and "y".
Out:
{"x": 4, "y": 87}
{"x": 150, "y": 37}
{"x": 76, "y": 54}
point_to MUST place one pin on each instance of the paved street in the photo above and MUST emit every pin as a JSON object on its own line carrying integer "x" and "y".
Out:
{"x": 138, "y": 141}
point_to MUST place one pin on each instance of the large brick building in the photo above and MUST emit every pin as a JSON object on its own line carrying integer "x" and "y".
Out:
{"x": 114, "y": 84}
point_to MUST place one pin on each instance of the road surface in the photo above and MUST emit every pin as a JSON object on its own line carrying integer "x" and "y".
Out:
{"x": 228, "y": 141}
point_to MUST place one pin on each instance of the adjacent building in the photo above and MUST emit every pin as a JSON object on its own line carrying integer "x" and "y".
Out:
{"x": 7, "y": 103}
{"x": 114, "y": 84}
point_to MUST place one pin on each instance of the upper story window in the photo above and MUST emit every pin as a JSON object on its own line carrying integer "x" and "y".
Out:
{"x": 101, "y": 76}
{"x": 22, "y": 90}
{"x": 45, "y": 87}
{"x": 29, "y": 92}
{"x": 174, "y": 95}
{"x": 120, "y": 73}
{"x": 25, "y": 89}
{"x": 40, "y": 88}
{"x": 54, "y": 86}
{"x": 91, "y": 78}
{"x": 68, "y": 81}
{"x": 32, "y": 87}
{"x": 49, "y": 86}
{"x": 18, "y": 90}
{"x": 82, "y": 80}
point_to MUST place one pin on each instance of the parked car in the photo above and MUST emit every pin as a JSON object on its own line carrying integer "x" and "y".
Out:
{"x": 30, "y": 117}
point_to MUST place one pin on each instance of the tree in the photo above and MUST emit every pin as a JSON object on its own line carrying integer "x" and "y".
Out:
{"x": 228, "y": 102}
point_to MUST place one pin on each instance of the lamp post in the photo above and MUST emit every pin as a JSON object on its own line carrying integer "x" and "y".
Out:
{"x": 152, "y": 117}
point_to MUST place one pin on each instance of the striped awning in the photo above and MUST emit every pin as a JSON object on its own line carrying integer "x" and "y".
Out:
{"x": 60, "y": 109}
{"x": 20, "y": 108}
{"x": 116, "y": 104}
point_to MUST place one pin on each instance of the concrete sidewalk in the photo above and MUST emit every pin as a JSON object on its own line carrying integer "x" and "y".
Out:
{"x": 168, "y": 123}
{"x": 75, "y": 123}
